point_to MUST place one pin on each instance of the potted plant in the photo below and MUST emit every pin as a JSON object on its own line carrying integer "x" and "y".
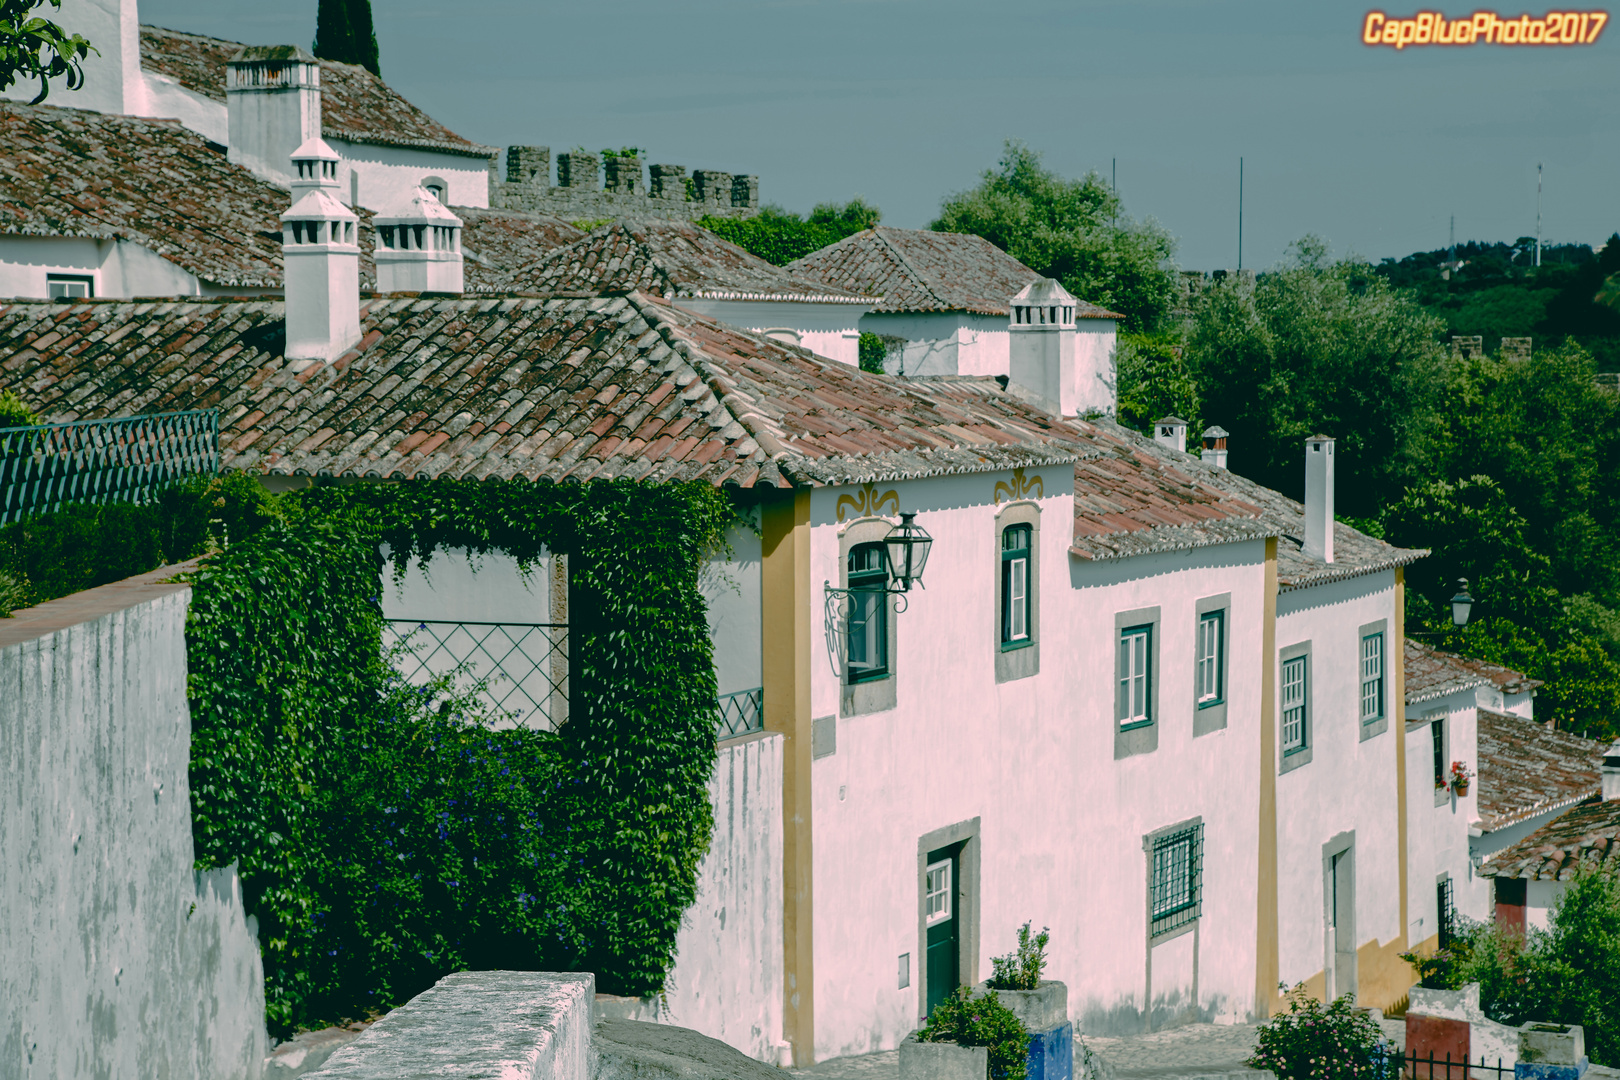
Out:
{"x": 1460, "y": 776}
{"x": 967, "y": 1037}
{"x": 1042, "y": 1005}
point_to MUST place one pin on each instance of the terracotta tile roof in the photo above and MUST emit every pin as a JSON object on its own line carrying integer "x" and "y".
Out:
{"x": 674, "y": 259}
{"x": 1525, "y": 769}
{"x": 1432, "y": 674}
{"x": 1504, "y": 679}
{"x": 494, "y": 242}
{"x": 1588, "y": 835}
{"x": 355, "y": 104}
{"x": 1129, "y": 501}
{"x": 1267, "y": 513}
{"x": 920, "y": 270}
{"x": 531, "y": 387}
{"x": 72, "y": 172}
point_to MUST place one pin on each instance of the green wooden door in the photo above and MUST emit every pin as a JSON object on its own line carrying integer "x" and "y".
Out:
{"x": 942, "y": 918}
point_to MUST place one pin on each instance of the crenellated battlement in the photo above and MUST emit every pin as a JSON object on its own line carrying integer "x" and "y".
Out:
{"x": 591, "y": 187}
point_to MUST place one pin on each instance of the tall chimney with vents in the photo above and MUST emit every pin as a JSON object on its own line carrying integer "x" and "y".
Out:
{"x": 1041, "y": 358}
{"x": 320, "y": 248}
{"x": 1171, "y": 432}
{"x": 1319, "y": 497}
{"x": 1610, "y": 772}
{"x": 1214, "y": 453}
{"x": 418, "y": 247}
{"x": 273, "y": 106}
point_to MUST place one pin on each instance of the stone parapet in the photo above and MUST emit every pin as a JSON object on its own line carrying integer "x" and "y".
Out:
{"x": 942, "y": 1060}
{"x": 580, "y": 194}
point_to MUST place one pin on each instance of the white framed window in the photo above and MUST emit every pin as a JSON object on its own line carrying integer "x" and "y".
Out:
{"x": 868, "y": 613}
{"x": 1207, "y": 670}
{"x": 69, "y": 286}
{"x": 937, "y": 892}
{"x": 1015, "y": 544}
{"x": 1372, "y": 677}
{"x": 1294, "y": 689}
{"x": 1135, "y": 675}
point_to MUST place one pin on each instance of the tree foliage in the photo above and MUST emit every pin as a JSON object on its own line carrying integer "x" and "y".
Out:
{"x": 1155, "y": 381}
{"x": 779, "y": 236}
{"x": 14, "y": 411}
{"x": 32, "y": 47}
{"x": 344, "y": 32}
{"x": 1070, "y": 230}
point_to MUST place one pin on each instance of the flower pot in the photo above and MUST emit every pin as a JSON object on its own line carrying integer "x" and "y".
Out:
{"x": 1045, "y": 1013}
{"x": 942, "y": 1060}
{"x": 1461, "y": 788}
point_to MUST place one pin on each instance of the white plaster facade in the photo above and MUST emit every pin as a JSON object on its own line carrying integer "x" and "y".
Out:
{"x": 1440, "y": 819}
{"x": 377, "y": 176}
{"x": 942, "y": 342}
{"x": 114, "y": 268}
{"x": 829, "y": 330}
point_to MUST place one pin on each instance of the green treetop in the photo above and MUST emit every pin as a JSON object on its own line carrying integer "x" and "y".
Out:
{"x": 35, "y": 48}
{"x": 344, "y": 32}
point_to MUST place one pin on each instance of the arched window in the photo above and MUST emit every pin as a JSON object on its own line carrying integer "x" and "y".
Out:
{"x": 437, "y": 187}
{"x": 868, "y": 613}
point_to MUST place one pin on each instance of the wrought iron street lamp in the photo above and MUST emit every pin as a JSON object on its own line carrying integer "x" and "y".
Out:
{"x": 907, "y": 545}
{"x": 1461, "y": 604}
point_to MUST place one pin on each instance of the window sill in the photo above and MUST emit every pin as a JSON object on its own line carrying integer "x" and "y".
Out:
{"x": 1210, "y": 716}
{"x": 1442, "y": 796}
{"x": 1293, "y": 759}
{"x": 1162, "y": 936}
{"x": 1011, "y": 646}
{"x": 1373, "y": 728}
{"x": 1018, "y": 661}
{"x": 1135, "y": 739}
{"x": 869, "y": 696}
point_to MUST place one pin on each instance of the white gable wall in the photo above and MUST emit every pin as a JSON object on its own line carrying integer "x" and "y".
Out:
{"x": 1437, "y": 833}
{"x": 943, "y": 342}
{"x": 116, "y": 268}
{"x": 828, "y": 330}
{"x": 389, "y": 175}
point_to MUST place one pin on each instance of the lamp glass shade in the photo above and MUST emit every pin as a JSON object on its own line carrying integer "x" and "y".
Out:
{"x": 1460, "y": 605}
{"x": 908, "y": 544}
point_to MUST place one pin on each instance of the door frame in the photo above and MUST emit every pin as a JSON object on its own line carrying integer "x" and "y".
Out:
{"x": 964, "y": 836}
{"x": 1332, "y": 982}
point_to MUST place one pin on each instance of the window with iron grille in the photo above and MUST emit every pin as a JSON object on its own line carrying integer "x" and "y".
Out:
{"x": 1437, "y": 732}
{"x": 1294, "y": 735}
{"x": 1372, "y": 678}
{"x": 1207, "y": 663}
{"x": 868, "y": 613}
{"x": 1176, "y": 886}
{"x": 1445, "y": 911}
{"x": 1133, "y": 704}
{"x": 1015, "y": 586}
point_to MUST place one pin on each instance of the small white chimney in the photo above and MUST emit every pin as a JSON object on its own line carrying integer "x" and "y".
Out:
{"x": 1319, "y": 497}
{"x": 418, "y": 247}
{"x": 1171, "y": 432}
{"x": 1214, "y": 453}
{"x": 1611, "y": 772}
{"x": 273, "y": 105}
{"x": 320, "y": 249}
{"x": 1042, "y": 347}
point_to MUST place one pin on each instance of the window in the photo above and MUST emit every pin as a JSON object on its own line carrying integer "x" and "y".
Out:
{"x": 1134, "y": 704}
{"x": 437, "y": 188}
{"x": 1437, "y": 730}
{"x": 868, "y": 613}
{"x": 1372, "y": 678}
{"x": 69, "y": 287}
{"x": 1175, "y": 886}
{"x": 1445, "y": 911}
{"x": 1294, "y": 690}
{"x": 1207, "y": 662}
{"x": 937, "y": 892}
{"x": 1015, "y": 542}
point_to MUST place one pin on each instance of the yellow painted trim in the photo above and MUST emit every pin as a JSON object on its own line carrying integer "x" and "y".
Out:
{"x": 1398, "y": 729}
{"x": 1383, "y": 978}
{"x": 1266, "y": 961}
{"x": 785, "y": 630}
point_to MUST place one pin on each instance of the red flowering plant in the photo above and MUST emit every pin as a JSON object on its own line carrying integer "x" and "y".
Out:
{"x": 1313, "y": 1041}
{"x": 1460, "y": 775}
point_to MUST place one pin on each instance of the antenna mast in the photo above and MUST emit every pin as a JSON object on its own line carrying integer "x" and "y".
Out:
{"x": 1240, "y": 213}
{"x": 1538, "y": 213}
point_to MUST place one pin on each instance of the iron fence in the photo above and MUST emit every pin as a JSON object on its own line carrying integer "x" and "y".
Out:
{"x": 520, "y": 670}
{"x": 122, "y": 460}
{"x": 742, "y": 712}
{"x": 1391, "y": 1064}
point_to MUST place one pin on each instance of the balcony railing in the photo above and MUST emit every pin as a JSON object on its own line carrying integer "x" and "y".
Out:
{"x": 521, "y": 668}
{"x": 122, "y": 460}
{"x": 742, "y": 712}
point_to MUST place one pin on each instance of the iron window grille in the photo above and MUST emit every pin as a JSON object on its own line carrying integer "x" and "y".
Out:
{"x": 1015, "y": 543}
{"x": 1445, "y": 912}
{"x": 1134, "y": 697}
{"x": 1372, "y": 678}
{"x": 1176, "y": 893}
{"x": 1294, "y": 689}
{"x": 867, "y": 655}
{"x": 123, "y": 460}
{"x": 517, "y": 669}
{"x": 742, "y": 712}
{"x": 1211, "y": 645}
{"x": 1437, "y": 733}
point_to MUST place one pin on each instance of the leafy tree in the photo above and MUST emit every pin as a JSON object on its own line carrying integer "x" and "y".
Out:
{"x": 344, "y": 32}
{"x": 1319, "y": 346}
{"x": 1155, "y": 381}
{"x": 14, "y": 411}
{"x": 851, "y": 218}
{"x": 1071, "y": 230}
{"x": 36, "y": 48}
{"x": 779, "y": 236}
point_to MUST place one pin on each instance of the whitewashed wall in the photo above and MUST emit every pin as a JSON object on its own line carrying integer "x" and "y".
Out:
{"x": 944, "y": 343}
{"x": 1437, "y": 829}
{"x": 731, "y": 589}
{"x": 389, "y": 174}
{"x": 117, "y": 268}
{"x": 1062, "y": 822}
{"x": 1349, "y": 783}
{"x": 1095, "y": 343}
{"x": 828, "y": 330}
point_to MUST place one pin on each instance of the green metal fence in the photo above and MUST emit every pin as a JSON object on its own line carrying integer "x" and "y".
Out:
{"x": 520, "y": 669}
{"x": 742, "y": 712}
{"x": 122, "y": 460}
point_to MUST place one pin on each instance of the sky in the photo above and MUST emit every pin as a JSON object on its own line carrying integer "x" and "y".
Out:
{"x": 907, "y": 101}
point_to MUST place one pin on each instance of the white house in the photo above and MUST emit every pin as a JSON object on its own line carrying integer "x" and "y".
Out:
{"x": 693, "y": 267}
{"x": 945, "y": 299}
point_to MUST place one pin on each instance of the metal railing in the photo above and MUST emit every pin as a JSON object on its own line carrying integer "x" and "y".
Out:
{"x": 122, "y": 460}
{"x": 741, "y": 712}
{"x": 1398, "y": 1065}
{"x": 521, "y": 669}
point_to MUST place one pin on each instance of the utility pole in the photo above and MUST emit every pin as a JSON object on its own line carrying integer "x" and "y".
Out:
{"x": 1453, "y": 236}
{"x": 1538, "y": 213}
{"x": 1240, "y": 213}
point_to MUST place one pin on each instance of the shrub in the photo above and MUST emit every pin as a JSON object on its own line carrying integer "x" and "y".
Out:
{"x": 13, "y": 595}
{"x": 14, "y": 412}
{"x": 1313, "y": 1041}
{"x": 1021, "y": 969}
{"x": 981, "y": 1021}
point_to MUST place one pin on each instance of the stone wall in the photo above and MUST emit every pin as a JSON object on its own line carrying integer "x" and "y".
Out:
{"x": 580, "y": 195}
{"x": 116, "y": 958}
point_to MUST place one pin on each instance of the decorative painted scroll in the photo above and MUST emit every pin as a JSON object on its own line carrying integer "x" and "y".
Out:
{"x": 1020, "y": 487}
{"x": 866, "y": 502}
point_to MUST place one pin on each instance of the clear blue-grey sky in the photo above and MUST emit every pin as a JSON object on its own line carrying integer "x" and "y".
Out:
{"x": 905, "y": 101}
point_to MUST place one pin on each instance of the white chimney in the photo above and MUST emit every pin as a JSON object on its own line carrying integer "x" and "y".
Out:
{"x": 1214, "y": 453}
{"x": 1319, "y": 498}
{"x": 1171, "y": 432}
{"x": 1611, "y": 772}
{"x": 112, "y": 80}
{"x": 1042, "y": 347}
{"x": 273, "y": 104}
{"x": 320, "y": 249}
{"x": 418, "y": 246}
